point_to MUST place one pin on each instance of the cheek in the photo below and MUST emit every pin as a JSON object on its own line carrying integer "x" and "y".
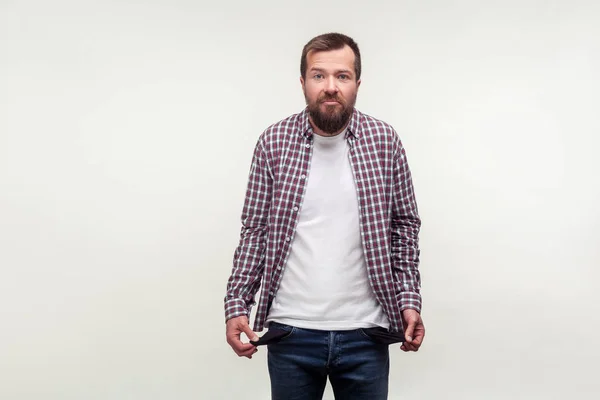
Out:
{"x": 312, "y": 93}
{"x": 313, "y": 88}
{"x": 349, "y": 93}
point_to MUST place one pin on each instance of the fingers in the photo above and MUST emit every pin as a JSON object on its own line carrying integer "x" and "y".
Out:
{"x": 238, "y": 346}
{"x": 249, "y": 332}
{"x": 408, "y": 332}
{"x": 414, "y": 331}
{"x": 235, "y": 327}
{"x": 242, "y": 349}
{"x": 249, "y": 352}
{"x": 409, "y": 346}
{"x": 415, "y": 343}
{"x": 418, "y": 339}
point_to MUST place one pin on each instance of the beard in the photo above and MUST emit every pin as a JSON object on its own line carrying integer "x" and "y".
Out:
{"x": 332, "y": 120}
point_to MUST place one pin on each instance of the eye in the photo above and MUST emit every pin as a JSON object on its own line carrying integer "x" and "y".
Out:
{"x": 343, "y": 77}
{"x": 318, "y": 76}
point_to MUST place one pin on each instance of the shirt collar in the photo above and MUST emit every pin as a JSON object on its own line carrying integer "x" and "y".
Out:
{"x": 352, "y": 129}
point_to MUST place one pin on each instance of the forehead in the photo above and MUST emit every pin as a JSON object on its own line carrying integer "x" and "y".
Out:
{"x": 332, "y": 59}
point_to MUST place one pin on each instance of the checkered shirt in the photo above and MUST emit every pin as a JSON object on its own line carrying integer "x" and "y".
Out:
{"x": 389, "y": 220}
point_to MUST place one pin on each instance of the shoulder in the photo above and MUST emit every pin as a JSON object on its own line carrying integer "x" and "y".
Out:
{"x": 282, "y": 130}
{"x": 375, "y": 129}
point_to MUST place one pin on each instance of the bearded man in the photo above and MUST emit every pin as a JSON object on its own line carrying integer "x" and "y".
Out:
{"x": 330, "y": 235}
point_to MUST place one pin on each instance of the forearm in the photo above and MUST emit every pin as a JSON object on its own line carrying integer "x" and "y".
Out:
{"x": 244, "y": 282}
{"x": 405, "y": 261}
{"x": 405, "y": 226}
{"x": 248, "y": 259}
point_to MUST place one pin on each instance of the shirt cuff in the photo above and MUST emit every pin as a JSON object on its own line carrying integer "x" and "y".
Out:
{"x": 235, "y": 308}
{"x": 409, "y": 300}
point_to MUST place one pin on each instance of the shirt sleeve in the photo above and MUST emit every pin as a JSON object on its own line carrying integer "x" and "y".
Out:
{"x": 249, "y": 256}
{"x": 405, "y": 226}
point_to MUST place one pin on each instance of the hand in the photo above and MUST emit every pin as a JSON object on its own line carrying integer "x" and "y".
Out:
{"x": 235, "y": 327}
{"x": 414, "y": 330}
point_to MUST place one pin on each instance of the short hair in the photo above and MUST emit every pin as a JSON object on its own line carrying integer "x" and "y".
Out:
{"x": 330, "y": 41}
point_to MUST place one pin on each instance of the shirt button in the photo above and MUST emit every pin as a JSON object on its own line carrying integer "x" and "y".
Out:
{"x": 279, "y": 268}
{"x": 287, "y": 239}
{"x": 307, "y": 145}
{"x": 303, "y": 176}
{"x": 296, "y": 208}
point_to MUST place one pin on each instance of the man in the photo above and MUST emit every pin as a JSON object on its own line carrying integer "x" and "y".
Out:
{"x": 330, "y": 228}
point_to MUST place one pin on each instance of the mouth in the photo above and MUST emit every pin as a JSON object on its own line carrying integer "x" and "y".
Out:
{"x": 330, "y": 102}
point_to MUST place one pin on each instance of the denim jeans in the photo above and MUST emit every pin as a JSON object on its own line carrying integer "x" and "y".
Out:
{"x": 301, "y": 361}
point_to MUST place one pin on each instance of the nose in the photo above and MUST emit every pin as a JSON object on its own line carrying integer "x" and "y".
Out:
{"x": 331, "y": 86}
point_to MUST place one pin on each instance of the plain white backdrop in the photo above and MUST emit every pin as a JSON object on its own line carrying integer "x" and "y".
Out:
{"x": 126, "y": 133}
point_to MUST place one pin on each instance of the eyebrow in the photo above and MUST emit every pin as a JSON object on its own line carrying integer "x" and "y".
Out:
{"x": 339, "y": 71}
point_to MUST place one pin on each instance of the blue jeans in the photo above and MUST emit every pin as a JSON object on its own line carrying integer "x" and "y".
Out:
{"x": 300, "y": 362}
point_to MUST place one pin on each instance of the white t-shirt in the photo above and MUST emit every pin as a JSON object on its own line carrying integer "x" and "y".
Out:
{"x": 325, "y": 283}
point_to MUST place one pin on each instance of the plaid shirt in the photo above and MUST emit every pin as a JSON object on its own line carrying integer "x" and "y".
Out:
{"x": 389, "y": 220}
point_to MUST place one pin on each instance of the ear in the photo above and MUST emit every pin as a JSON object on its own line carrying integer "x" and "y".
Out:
{"x": 358, "y": 84}
{"x": 303, "y": 86}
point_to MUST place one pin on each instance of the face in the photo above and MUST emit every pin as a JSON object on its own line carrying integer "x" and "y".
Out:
{"x": 330, "y": 88}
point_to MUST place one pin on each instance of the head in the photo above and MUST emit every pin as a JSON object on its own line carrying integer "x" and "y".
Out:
{"x": 330, "y": 76}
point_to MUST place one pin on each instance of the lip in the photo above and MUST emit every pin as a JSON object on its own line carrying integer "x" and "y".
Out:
{"x": 330, "y": 103}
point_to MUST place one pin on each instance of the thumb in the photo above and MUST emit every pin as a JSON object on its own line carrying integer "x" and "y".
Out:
{"x": 249, "y": 332}
{"x": 408, "y": 332}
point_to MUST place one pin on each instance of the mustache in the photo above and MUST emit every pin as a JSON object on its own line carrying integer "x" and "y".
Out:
{"x": 330, "y": 98}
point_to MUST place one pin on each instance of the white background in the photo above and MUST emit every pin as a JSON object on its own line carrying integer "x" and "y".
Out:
{"x": 125, "y": 141}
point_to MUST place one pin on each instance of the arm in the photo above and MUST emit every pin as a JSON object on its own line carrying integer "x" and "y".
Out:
{"x": 405, "y": 226}
{"x": 249, "y": 256}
